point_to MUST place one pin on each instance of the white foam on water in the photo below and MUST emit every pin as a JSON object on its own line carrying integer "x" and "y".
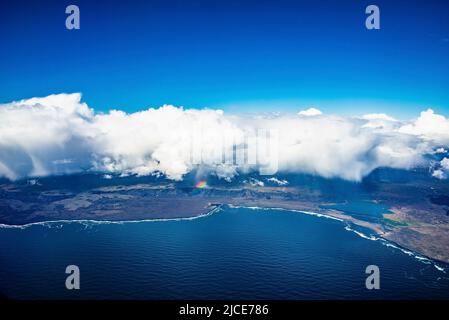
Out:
{"x": 310, "y": 213}
{"x": 439, "y": 268}
{"x": 89, "y": 223}
{"x": 360, "y": 234}
{"x": 389, "y": 244}
{"x": 60, "y": 223}
{"x": 415, "y": 255}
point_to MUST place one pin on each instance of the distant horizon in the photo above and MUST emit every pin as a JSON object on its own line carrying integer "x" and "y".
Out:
{"x": 278, "y": 107}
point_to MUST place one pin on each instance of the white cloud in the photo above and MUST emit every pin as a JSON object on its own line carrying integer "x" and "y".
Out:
{"x": 429, "y": 126}
{"x": 439, "y": 174}
{"x": 445, "y": 164}
{"x": 378, "y": 116}
{"x": 278, "y": 182}
{"x": 254, "y": 182}
{"x": 310, "y": 112}
{"x": 379, "y": 121}
{"x": 442, "y": 171}
{"x": 59, "y": 134}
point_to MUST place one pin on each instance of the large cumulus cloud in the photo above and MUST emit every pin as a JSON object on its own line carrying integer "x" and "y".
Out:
{"x": 59, "y": 134}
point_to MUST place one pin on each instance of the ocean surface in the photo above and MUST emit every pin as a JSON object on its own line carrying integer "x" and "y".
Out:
{"x": 234, "y": 253}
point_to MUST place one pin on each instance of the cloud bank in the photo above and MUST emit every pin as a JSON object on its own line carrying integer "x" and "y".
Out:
{"x": 59, "y": 134}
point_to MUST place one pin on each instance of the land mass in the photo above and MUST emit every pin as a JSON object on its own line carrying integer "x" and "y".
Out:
{"x": 413, "y": 219}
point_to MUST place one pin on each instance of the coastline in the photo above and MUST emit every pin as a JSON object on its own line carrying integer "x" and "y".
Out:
{"x": 93, "y": 221}
{"x": 376, "y": 228}
{"x": 328, "y": 214}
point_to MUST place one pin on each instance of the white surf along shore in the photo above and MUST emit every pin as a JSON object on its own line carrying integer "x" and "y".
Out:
{"x": 348, "y": 226}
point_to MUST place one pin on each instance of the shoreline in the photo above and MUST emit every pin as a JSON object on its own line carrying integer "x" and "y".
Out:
{"x": 329, "y": 214}
{"x": 336, "y": 215}
{"x": 93, "y": 221}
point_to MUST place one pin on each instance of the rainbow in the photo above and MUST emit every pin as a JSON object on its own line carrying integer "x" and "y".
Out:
{"x": 201, "y": 184}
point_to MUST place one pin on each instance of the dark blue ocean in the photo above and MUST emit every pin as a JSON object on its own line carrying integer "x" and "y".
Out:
{"x": 234, "y": 253}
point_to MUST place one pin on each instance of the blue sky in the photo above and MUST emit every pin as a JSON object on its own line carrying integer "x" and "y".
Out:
{"x": 242, "y": 56}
